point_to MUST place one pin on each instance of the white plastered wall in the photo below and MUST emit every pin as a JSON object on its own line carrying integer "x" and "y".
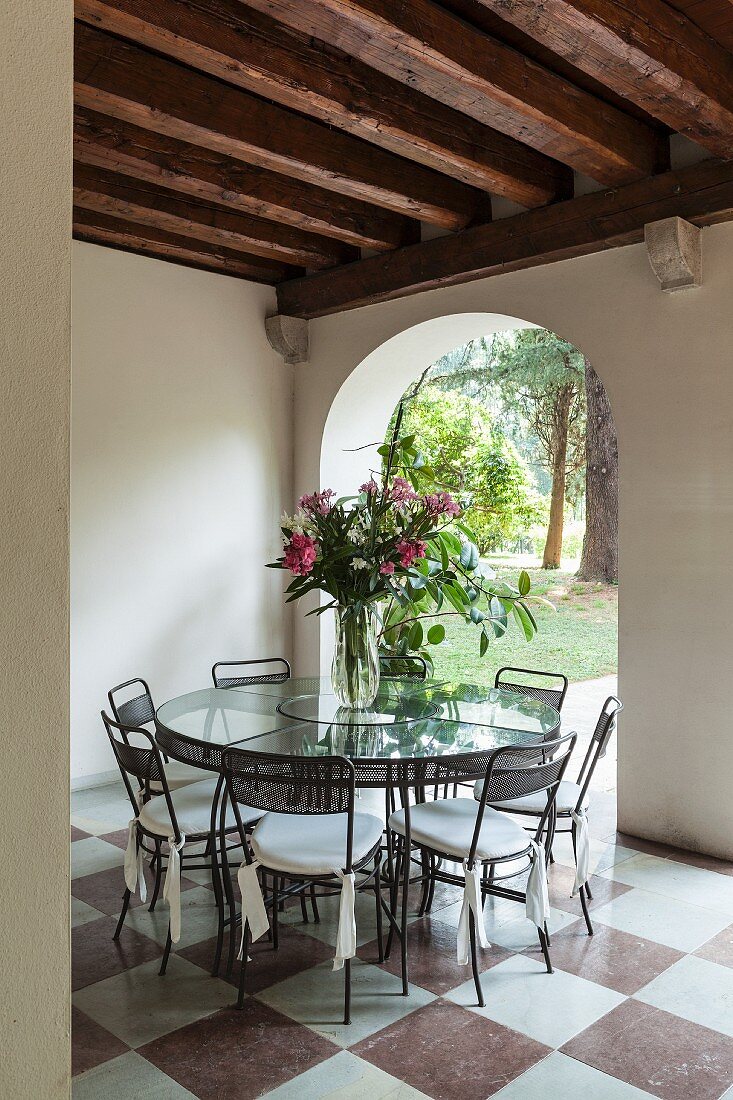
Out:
{"x": 181, "y": 467}
{"x": 666, "y": 362}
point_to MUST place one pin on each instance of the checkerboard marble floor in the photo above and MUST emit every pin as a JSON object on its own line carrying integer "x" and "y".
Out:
{"x": 642, "y": 1008}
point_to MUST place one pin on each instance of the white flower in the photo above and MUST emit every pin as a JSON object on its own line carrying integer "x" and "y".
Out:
{"x": 359, "y": 563}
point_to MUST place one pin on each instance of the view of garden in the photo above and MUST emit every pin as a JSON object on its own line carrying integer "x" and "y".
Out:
{"x": 518, "y": 426}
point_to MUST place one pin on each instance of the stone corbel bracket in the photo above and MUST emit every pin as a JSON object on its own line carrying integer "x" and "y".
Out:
{"x": 675, "y": 252}
{"x": 288, "y": 336}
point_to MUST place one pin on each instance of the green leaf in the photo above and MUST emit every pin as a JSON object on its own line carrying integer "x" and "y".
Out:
{"x": 436, "y": 634}
{"x": 524, "y": 583}
{"x": 483, "y": 644}
{"x": 524, "y": 621}
{"x": 415, "y": 636}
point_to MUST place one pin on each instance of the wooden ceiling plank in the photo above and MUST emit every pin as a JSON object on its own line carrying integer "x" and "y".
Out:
{"x": 101, "y": 190}
{"x": 248, "y": 49}
{"x": 645, "y": 51}
{"x": 702, "y": 193}
{"x": 447, "y": 59}
{"x": 127, "y": 82}
{"x": 198, "y": 172}
{"x": 102, "y": 229}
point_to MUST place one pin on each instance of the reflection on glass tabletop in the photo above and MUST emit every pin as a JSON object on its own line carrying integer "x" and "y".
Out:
{"x": 408, "y": 718}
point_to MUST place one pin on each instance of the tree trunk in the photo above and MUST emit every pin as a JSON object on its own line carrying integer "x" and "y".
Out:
{"x": 558, "y": 454}
{"x": 599, "y": 560}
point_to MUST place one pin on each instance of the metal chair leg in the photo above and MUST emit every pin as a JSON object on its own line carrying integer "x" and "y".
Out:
{"x": 378, "y": 895}
{"x": 158, "y": 858}
{"x": 584, "y": 907}
{"x": 314, "y": 905}
{"x": 167, "y": 952}
{"x": 275, "y": 912}
{"x": 474, "y": 959}
{"x": 347, "y": 991}
{"x": 303, "y": 905}
{"x": 243, "y": 967}
{"x": 403, "y": 923}
{"x": 545, "y": 945}
{"x": 123, "y": 913}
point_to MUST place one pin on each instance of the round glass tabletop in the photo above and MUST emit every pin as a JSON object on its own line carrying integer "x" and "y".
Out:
{"x": 408, "y": 719}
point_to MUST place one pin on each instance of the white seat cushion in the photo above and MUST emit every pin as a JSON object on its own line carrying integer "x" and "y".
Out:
{"x": 179, "y": 775}
{"x": 447, "y": 825}
{"x": 193, "y": 811}
{"x": 304, "y": 844}
{"x": 567, "y": 799}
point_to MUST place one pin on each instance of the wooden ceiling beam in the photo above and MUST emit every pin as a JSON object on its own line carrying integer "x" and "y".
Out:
{"x": 646, "y": 51}
{"x": 138, "y": 201}
{"x": 702, "y": 193}
{"x": 200, "y": 173}
{"x": 127, "y": 82}
{"x": 250, "y": 50}
{"x": 447, "y": 59}
{"x": 102, "y": 229}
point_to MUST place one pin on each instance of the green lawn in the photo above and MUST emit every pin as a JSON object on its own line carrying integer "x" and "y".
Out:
{"x": 579, "y": 638}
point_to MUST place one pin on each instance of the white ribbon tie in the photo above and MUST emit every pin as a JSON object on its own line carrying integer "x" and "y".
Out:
{"x": 135, "y": 863}
{"x": 582, "y": 849}
{"x": 346, "y": 934}
{"x": 472, "y": 903}
{"x": 254, "y": 913}
{"x": 538, "y": 899}
{"x": 172, "y": 885}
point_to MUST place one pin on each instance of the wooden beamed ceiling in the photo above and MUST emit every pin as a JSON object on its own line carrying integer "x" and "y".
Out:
{"x": 275, "y": 140}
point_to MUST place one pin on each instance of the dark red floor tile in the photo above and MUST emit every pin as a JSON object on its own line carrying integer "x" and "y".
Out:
{"x": 77, "y": 834}
{"x": 450, "y": 1053}
{"x": 432, "y": 964}
{"x": 719, "y": 949}
{"x": 104, "y": 889}
{"x": 658, "y": 1052}
{"x": 560, "y": 882}
{"x": 95, "y": 955}
{"x": 238, "y": 1055}
{"x": 296, "y": 952}
{"x": 91, "y": 1044}
{"x": 609, "y": 957}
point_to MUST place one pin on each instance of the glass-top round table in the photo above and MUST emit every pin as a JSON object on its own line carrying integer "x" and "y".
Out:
{"x": 408, "y": 720}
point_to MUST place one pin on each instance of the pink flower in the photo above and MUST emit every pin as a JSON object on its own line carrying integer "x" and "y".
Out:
{"x": 401, "y": 491}
{"x": 317, "y": 504}
{"x": 300, "y": 554}
{"x": 441, "y": 504}
{"x": 386, "y": 568}
{"x": 369, "y": 487}
{"x": 408, "y": 551}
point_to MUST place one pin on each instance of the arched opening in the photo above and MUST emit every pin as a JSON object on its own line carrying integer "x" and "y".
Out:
{"x": 586, "y": 612}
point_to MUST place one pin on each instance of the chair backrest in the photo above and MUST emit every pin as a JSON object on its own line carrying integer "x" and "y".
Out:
{"x": 602, "y": 734}
{"x": 516, "y": 771}
{"x": 132, "y": 707}
{"x": 142, "y": 761}
{"x": 547, "y": 687}
{"x": 279, "y": 784}
{"x": 392, "y": 667}
{"x": 226, "y": 674}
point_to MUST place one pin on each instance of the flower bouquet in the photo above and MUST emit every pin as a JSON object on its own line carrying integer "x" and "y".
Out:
{"x": 393, "y": 561}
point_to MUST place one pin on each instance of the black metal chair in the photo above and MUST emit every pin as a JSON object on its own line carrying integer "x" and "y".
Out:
{"x": 242, "y": 678}
{"x": 310, "y": 834}
{"x": 573, "y": 801}
{"x": 547, "y": 687}
{"x": 177, "y": 817}
{"x": 136, "y": 708}
{"x": 459, "y": 830}
{"x": 392, "y": 667}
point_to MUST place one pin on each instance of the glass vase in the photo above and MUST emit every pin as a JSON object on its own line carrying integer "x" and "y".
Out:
{"x": 355, "y": 667}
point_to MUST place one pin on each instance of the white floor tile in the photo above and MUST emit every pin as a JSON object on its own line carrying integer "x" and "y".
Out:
{"x": 344, "y": 1077}
{"x": 602, "y": 855}
{"x": 328, "y": 908}
{"x": 550, "y": 1008}
{"x": 92, "y": 854}
{"x": 693, "y": 885}
{"x": 198, "y": 918}
{"x": 654, "y": 917}
{"x": 81, "y": 913}
{"x": 695, "y": 989}
{"x": 560, "y": 1076}
{"x": 125, "y": 1077}
{"x": 316, "y": 998}
{"x": 138, "y": 1006}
